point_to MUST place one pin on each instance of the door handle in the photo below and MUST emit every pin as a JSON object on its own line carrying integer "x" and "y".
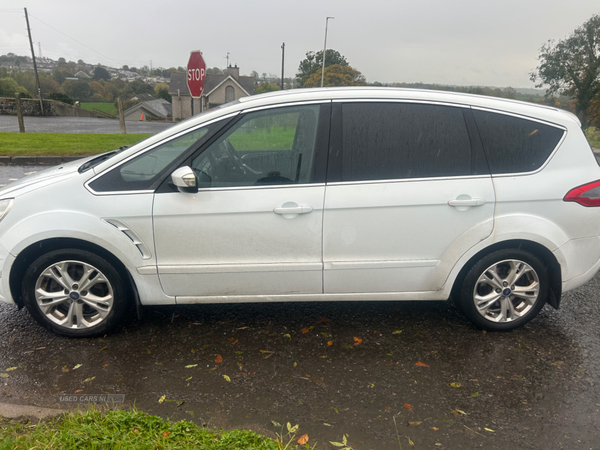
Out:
{"x": 298, "y": 209}
{"x": 467, "y": 202}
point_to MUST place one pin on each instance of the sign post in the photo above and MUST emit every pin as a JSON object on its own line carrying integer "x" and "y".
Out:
{"x": 196, "y": 73}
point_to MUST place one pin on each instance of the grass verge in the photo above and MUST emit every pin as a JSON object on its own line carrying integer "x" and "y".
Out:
{"x": 593, "y": 135}
{"x": 63, "y": 144}
{"x": 93, "y": 429}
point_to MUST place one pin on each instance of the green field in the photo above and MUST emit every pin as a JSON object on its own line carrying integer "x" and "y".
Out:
{"x": 63, "y": 144}
{"x": 274, "y": 138}
{"x": 106, "y": 107}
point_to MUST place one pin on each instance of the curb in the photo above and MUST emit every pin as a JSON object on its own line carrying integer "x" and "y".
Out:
{"x": 13, "y": 411}
{"x": 29, "y": 160}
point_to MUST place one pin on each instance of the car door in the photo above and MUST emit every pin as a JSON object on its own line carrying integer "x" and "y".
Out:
{"x": 408, "y": 195}
{"x": 255, "y": 225}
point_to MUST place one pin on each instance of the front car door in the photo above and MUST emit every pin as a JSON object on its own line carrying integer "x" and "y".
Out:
{"x": 407, "y": 195}
{"x": 255, "y": 225}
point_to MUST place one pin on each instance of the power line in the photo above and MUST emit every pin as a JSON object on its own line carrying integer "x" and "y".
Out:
{"x": 73, "y": 39}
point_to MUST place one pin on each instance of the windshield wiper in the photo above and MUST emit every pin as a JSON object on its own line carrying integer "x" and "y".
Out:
{"x": 100, "y": 158}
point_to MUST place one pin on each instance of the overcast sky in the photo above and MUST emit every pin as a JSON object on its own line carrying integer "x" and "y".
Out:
{"x": 469, "y": 42}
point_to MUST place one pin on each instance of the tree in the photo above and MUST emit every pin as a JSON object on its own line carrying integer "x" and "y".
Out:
{"x": 9, "y": 87}
{"x": 336, "y": 75}
{"x": 161, "y": 90}
{"x": 100, "y": 73}
{"x": 79, "y": 90}
{"x": 572, "y": 67}
{"x": 314, "y": 62}
{"x": 266, "y": 87}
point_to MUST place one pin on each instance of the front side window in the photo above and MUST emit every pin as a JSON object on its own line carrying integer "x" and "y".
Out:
{"x": 387, "y": 141}
{"x": 269, "y": 147}
{"x": 143, "y": 171}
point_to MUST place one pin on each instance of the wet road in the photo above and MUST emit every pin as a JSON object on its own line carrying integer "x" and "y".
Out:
{"x": 385, "y": 374}
{"x": 53, "y": 124}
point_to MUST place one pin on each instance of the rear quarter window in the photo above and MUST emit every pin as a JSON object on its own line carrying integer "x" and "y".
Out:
{"x": 514, "y": 144}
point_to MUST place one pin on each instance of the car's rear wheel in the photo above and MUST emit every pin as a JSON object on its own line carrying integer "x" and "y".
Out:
{"x": 504, "y": 290}
{"x": 74, "y": 293}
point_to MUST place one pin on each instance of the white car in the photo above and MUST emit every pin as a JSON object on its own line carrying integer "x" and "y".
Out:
{"x": 303, "y": 195}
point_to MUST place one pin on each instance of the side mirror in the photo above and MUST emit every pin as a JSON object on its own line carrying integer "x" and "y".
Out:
{"x": 185, "y": 180}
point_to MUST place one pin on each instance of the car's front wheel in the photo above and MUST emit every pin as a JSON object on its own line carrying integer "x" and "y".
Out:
{"x": 504, "y": 290}
{"x": 74, "y": 293}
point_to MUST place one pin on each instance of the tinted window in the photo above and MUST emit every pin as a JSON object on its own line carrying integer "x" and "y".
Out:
{"x": 265, "y": 147}
{"x": 403, "y": 140}
{"x": 141, "y": 172}
{"x": 513, "y": 144}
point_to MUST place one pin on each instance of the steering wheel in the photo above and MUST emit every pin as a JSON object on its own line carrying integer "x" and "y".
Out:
{"x": 234, "y": 157}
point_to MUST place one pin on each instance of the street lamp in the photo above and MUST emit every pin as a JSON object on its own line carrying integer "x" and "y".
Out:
{"x": 325, "y": 50}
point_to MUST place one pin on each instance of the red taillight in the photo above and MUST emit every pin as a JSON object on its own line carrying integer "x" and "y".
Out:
{"x": 586, "y": 195}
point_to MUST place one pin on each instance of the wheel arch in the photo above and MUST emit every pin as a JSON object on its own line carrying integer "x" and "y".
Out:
{"x": 545, "y": 255}
{"x": 37, "y": 249}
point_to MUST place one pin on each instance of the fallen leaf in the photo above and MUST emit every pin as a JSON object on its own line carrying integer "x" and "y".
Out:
{"x": 88, "y": 379}
{"x": 557, "y": 363}
{"x": 408, "y": 406}
{"x": 323, "y": 320}
{"x": 162, "y": 399}
{"x": 421, "y": 364}
{"x": 460, "y": 412}
{"x": 434, "y": 428}
{"x": 233, "y": 341}
{"x": 219, "y": 359}
{"x": 193, "y": 351}
{"x": 287, "y": 336}
{"x": 240, "y": 365}
{"x": 65, "y": 369}
{"x": 489, "y": 429}
{"x": 214, "y": 368}
{"x": 456, "y": 385}
{"x": 304, "y": 330}
{"x": 411, "y": 443}
{"x": 357, "y": 340}
{"x": 180, "y": 402}
{"x": 324, "y": 334}
{"x": 266, "y": 351}
{"x": 166, "y": 433}
{"x": 397, "y": 332}
{"x": 10, "y": 368}
{"x": 318, "y": 381}
{"x": 475, "y": 394}
{"x": 188, "y": 379}
{"x": 295, "y": 364}
{"x": 388, "y": 409}
{"x": 148, "y": 350}
{"x": 329, "y": 343}
{"x": 103, "y": 348}
{"x": 414, "y": 423}
{"x": 227, "y": 378}
{"x": 77, "y": 366}
{"x": 191, "y": 366}
{"x": 303, "y": 439}
{"x": 3, "y": 375}
{"x": 337, "y": 411}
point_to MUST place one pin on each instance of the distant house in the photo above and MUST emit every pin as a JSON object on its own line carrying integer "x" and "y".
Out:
{"x": 82, "y": 74}
{"x": 218, "y": 89}
{"x": 159, "y": 109}
{"x": 143, "y": 97}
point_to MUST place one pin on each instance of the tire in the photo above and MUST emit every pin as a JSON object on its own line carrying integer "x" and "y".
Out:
{"x": 74, "y": 293}
{"x": 504, "y": 290}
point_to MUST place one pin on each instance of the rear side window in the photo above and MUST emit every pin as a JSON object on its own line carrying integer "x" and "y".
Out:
{"x": 383, "y": 141}
{"x": 513, "y": 144}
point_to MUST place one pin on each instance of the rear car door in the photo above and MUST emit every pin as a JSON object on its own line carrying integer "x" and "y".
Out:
{"x": 408, "y": 193}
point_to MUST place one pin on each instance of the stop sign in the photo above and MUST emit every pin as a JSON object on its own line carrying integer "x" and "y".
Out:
{"x": 196, "y": 72}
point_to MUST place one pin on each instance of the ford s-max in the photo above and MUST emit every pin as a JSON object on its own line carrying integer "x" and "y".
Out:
{"x": 314, "y": 195}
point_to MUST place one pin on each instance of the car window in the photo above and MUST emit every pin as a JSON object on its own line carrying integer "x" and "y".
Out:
{"x": 141, "y": 172}
{"x": 513, "y": 144}
{"x": 270, "y": 147}
{"x": 403, "y": 140}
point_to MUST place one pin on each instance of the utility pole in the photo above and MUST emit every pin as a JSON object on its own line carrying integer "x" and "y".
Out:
{"x": 227, "y": 57}
{"x": 282, "y": 58}
{"x": 37, "y": 78}
{"x": 325, "y": 50}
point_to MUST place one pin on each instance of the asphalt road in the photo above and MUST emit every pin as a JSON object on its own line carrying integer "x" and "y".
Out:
{"x": 387, "y": 374}
{"x": 53, "y": 124}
